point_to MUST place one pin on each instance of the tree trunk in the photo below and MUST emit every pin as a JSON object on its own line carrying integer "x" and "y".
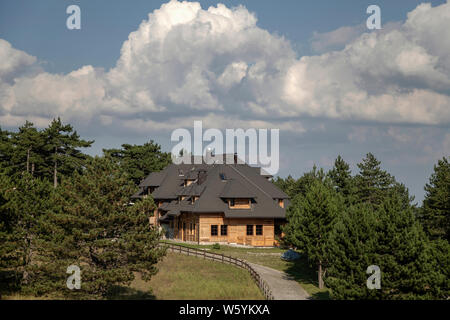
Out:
{"x": 32, "y": 169}
{"x": 55, "y": 178}
{"x": 320, "y": 276}
{"x": 27, "y": 258}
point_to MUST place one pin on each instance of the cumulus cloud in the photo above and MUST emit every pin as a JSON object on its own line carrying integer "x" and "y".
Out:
{"x": 396, "y": 76}
{"x": 336, "y": 39}
{"x": 185, "y": 62}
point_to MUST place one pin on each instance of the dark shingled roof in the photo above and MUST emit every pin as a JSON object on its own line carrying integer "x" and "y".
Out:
{"x": 241, "y": 181}
{"x": 191, "y": 190}
{"x": 235, "y": 189}
{"x": 154, "y": 179}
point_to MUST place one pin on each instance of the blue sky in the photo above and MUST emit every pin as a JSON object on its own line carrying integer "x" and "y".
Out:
{"x": 403, "y": 115}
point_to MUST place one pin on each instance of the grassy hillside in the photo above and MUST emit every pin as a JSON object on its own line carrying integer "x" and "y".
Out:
{"x": 184, "y": 277}
{"x": 270, "y": 257}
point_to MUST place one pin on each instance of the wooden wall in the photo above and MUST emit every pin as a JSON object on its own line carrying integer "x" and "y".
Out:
{"x": 237, "y": 230}
{"x": 185, "y": 227}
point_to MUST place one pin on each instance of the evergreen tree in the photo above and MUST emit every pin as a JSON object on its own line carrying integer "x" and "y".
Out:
{"x": 28, "y": 149}
{"x": 94, "y": 227}
{"x": 61, "y": 146}
{"x": 435, "y": 215}
{"x": 387, "y": 236}
{"x": 342, "y": 180}
{"x": 138, "y": 161}
{"x": 5, "y": 150}
{"x": 24, "y": 204}
{"x": 351, "y": 250}
{"x": 294, "y": 187}
{"x": 310, "y": 219}
{"x": 372, "y": 183}
{"x": 288, "y": 185}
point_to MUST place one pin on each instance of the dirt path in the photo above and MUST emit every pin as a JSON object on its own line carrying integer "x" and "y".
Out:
{"x": 283, "y": 286}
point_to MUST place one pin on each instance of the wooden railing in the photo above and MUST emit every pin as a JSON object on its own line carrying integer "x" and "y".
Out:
{"x": 224, "y": 259}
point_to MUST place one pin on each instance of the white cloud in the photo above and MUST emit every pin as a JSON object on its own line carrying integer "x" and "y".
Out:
{"x": 13, "y": 62}
{"x": 186, "y": 63}
{"x": 336, "y": 39}
{"x": 389, "y": 76}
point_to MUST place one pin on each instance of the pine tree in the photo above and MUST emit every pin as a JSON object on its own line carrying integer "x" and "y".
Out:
{"x": 61, "y": 145}
{"x": 28, "y": 149}
{"x": 372, "y": 183}
{"x": 5, "y": 150}
{"x": 288, "y": 185}
{"x": 138, "y": 161}
{"x": 342, "y": 179}
{"x": 310, "y": 219}
{"x": 94, "y": 227}
{"x": 435, "y": 215}
{"x": 390, "y": 237}
{"x": 293, "y": 187}
{"x": 24, "y": 204}
{"x": 351, "y": 250}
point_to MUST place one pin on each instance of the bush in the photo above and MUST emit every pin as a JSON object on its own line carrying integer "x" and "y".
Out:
{"x": 216, "y": 246}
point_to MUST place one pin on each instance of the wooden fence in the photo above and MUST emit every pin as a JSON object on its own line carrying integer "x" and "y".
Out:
{"x": 224, "y": 259}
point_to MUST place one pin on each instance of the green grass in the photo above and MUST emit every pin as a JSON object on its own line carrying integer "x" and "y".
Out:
{"x": 299, "y": 269}
{"x": 182, "y": 277}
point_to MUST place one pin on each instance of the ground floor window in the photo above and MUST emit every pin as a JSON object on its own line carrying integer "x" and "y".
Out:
{"x": 249, "y": 229}
{"x": 223, "y": 230}
{"x": 259, "y": 230}
{"x": 214, "y": 230}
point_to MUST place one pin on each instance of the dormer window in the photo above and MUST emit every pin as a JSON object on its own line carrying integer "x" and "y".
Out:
{"x": 240, "y": 203}
{"x": 281, "y": 203}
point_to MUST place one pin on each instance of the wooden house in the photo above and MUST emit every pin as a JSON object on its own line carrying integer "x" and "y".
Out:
{"x": 217, "y": 203}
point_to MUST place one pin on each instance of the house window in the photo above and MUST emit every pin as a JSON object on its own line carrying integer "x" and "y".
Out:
{"x": 240, "y": 203}
{"x": 214, "y": 230}
{"x": 259, "y": 230}
{"x": 249, "y": 229}
{"x": 223, "y": 230}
